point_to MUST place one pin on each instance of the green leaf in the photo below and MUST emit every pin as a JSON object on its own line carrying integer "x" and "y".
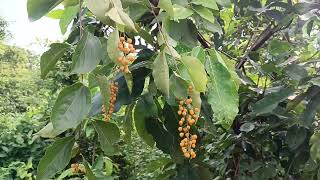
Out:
{"x": 129, "y": 81}
{"x": 67, "y": 3}
{"x": 68, "y": 14}
{"x": 224, "y": 3}
{"x": 104, "y": 43}
{"x": 178, "y": 86}
{"x": 296, "y": 136}
{"x": 108, "y": 134}
{"x": 89, "y": 172}
{"x": 196, "y": 71}
{"x": 227, "y": 63}
{"x": 104, "y": 89}
{"x": 127, "y": 20}
{"x": 120, "y": 17}
{"x": 38, "y": 8}
{"x": 87, "y": 55}
{"x": 71, "y": 107}
{"x": 56, "y": 158}
{"x": 205, "y": 3}
{"x": 128, "y": 122}
{"x": 99, "y": 9}
{"x": 222, "y": 93}
{"x": 296, "y": 72}
{"x": 313, "y": 106}
{"x": 181, "y": 12}
{"x": 205, "y": 13}
{"x": 48, "y": 131}
{"x": 55, "y": 14}
{"x": 271, "y": 101}
{"x": 167, "y": 6}
{"x": 315, "y": 146}
{"x": 199, "y": 53}
{"x": 50, "y": 58}
{"x": 144, "y": 111}
{"x": 160, "y": 73}
{"x": 112, "y": 46}
{"x": 277, "y": 47}
{"x": 247, "y": 127}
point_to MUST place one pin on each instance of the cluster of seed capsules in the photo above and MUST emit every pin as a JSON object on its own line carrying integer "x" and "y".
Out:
{"x": 189, "y": 117}
{"x": 126, "y": 59}
{"x": 113, "y": 97}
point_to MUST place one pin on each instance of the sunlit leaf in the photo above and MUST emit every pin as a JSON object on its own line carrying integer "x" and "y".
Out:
{"x": 38, "y": 8}
{"x": 160, "y": 73}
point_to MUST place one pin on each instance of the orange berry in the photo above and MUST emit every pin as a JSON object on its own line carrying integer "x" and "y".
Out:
{"x": 126, "y": 69}
{"x": 181, "y": 103}
{"x": 184, "y": 150}
{"x": 121, "y": 39}
{"x": 194, "y": 141}
{"x": 192, "y": 154}
{"x": 181, "y": 144}
{"x": 188, "y": 127}
{"x": 187, "y": 134}
{"x": 180, "y": 123}
{"x": 185, "y": 130}
{"x": 180, "y": 108}
{"x": 193, "y": 145}
{"x": 179, "y": 112}
{"x": 194, "y": 136}
{"x": 130, "y": 46}
{"x": 181, "y": 134}
{"x": 121, "y": 68}
{"x": 182, "y": 119}
{"x": 191, "y": 112}
{"x": 126, "y": 50}
{"x": 119, "y": 59}
{"x": 189, "y": 101}
{"x": 186, "y": 154}
{"x": 184, "y": 113}
{"x": 132, "y": 50}
{"x": 129, "y": 40}
{"x": 180, "y": 129}
{"x": 191, "y": 122}
{"x": 196, "y": 109}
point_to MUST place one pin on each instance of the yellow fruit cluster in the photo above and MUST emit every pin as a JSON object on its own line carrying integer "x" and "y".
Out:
{"x": 113, "y": 97}
{"x": 189, "y": 117}
{"x": 76, "y": 168}
{"x": 126, "y": 48}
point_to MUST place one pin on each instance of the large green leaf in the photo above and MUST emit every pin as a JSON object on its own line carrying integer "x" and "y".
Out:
{"x": 313, "y": 106}
{"x": 104, "y": 89}
{"x": 160, "y": 73}
{"x": 51, "y": 57}
{"x": 181, "y": 12}
{"x": 145, "y": 110}
{"x": 68, "y": 14}
{"x": 205, "y": 3}
{"x": 56, "y": 158}
{"x": 120, "y": 17}
{"x": 296, "y": 136}
{"x": 296, "y": 72}
{"x": 112, "y": 46}
{"x": 108, "y": 134}
{"x": 71, "y": 107}
{"x": 197, "y": 72}
{"x": 128, "y": 122}
{"x": 271, "y": 101}
{"x": 277, "y": 47}
{"x": 205, "y": 13}
{"x": 87, "y": 55}
{"x": 55, "y": 14}
{"x": 222, "y": 93}
{"x": 167, "y": 6}
{"x": 315, "y": 146}
{"x": 89, "y": 172}
{"x": 48, "y": 131}
{"x": 38, "y": 8}
{"x": 99, "y": 9}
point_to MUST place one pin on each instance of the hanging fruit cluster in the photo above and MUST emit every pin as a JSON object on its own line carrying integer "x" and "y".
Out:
{"x": 189, "y": 118}
{"x": 113, "y": 97}
{"x": 76, "y": 168}
{"x": 127, "y": 58}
